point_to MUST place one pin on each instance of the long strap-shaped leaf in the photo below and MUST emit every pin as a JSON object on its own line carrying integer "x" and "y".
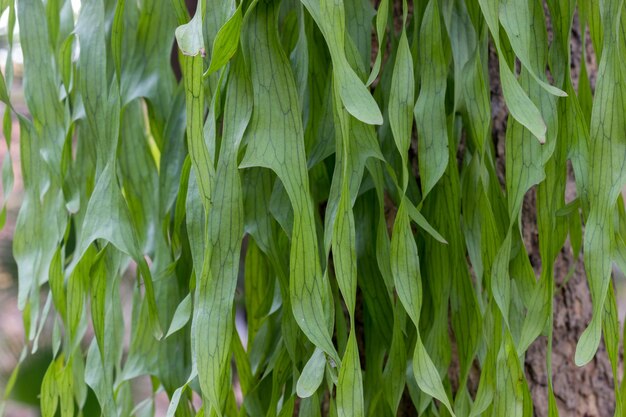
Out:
{"x": 218, "y": 279}
{"x": 107, "y": 215}
{"x": 42, "y": 219}
{"x": 330, "y": 17}
{"x": 350, "y": 383}
{"x": 430, "y": 112}
{"x": 607, "y": 172}
{"x": 189, "y": 37}
{"x": 284, "y": 106}
{"x": 520, "y": 106}
{"x": 404, "y": 257}
{"x": 276, "y": 141}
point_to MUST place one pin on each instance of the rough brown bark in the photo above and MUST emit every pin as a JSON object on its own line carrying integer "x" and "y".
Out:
{"x": 580, "y": 391}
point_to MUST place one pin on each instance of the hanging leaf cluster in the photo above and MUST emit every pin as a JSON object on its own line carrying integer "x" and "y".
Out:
{"x": 324, "y": 173}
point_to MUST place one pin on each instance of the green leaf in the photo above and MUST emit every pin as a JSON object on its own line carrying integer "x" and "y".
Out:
{"x": 226, "y": 42}
{"x": 427, "y": 376}
{"x": 516, "y": 17}
{"x": 330, "y": 17}
{"x": 189, "y": 36}
{"x": 382, "y": 16}
{"x": 218, "y": 278}
{"x": 311, "y": 377}
{"x": 430, "y": 114}
{"x": 405, "y": 264}
{"x": 265, "y": 187}
{"x": 401, "y": 103}
{"x": 181, "y": 315}
{"x": 520, "y": 106}
{"x": 275, "y": 141}
{"x": 606, "y": 181}
{"x": 350, "y": 400}
{"x": 394, "y": 373}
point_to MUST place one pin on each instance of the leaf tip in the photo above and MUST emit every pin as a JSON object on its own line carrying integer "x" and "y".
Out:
{"x": 157, "y": 332}
{"x": 587, "y": 344}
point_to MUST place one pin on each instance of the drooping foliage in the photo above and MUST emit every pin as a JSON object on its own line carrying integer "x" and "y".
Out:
{"x": 312, "y": 216}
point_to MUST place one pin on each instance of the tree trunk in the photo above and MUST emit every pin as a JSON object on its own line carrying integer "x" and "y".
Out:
{"x": 580, "y": 391}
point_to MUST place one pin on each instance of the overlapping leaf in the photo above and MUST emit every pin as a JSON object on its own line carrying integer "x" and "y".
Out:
{"x": 306, "y": 215}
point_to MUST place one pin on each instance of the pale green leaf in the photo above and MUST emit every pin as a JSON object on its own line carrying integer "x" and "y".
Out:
{"x": 226, "y": 42}
{"x": 311, "y": 377}
{"x": 181, "y": 315}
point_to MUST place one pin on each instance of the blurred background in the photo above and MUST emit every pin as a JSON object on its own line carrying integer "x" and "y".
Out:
{"x": 24, "y": 398}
